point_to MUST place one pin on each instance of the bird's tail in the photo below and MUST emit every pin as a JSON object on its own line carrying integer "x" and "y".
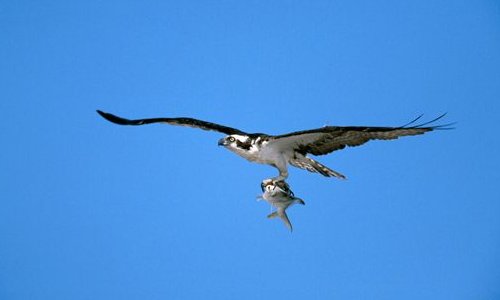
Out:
{"x": 311, "y": 165}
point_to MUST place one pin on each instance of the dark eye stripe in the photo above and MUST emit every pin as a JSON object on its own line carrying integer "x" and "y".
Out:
{"x": 244, "y": 145}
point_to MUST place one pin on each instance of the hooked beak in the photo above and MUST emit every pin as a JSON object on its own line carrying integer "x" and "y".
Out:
{"x": 222, "y": 142}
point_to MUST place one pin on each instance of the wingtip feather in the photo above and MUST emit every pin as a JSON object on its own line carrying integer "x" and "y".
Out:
{"x": 114, "y": 119}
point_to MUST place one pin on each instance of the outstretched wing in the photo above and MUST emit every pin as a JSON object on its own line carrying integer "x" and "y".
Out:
{"x": 330, "y": 138}
{"x": 189, "y": 122}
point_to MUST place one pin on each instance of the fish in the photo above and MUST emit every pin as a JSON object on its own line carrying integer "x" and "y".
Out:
{"x": 281, "y": 197}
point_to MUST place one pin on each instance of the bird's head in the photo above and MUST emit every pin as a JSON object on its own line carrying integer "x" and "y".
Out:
{"x": 236, "y": 142}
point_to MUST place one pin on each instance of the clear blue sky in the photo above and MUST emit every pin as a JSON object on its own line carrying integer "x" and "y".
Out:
{"x": 91, "y": 210}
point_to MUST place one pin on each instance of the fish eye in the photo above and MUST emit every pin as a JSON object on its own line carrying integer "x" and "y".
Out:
{"x": 231, "y": 139}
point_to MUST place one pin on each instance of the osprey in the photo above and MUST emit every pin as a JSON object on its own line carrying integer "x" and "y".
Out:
{"x": 292, "y": 148}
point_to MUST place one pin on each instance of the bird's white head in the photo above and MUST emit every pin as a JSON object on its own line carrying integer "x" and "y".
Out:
{"x": 236, "y": 142}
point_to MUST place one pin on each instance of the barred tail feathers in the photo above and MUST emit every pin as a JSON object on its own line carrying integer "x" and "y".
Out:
{"x": 311, "y": 165}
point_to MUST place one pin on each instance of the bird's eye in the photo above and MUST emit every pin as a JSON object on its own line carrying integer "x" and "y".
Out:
{"x": 232, "y": 139}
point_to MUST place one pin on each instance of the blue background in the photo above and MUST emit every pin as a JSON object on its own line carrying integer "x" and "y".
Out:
{"x": 91, "y": 210}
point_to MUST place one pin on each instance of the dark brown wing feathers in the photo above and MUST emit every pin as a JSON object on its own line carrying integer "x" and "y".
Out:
{"x": 189, "y": 122}
{"x": 331, "y": 138}
{"x": 336, "y": 138}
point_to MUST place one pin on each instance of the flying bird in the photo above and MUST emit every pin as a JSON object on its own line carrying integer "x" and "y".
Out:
{"x": 292, "y": 148}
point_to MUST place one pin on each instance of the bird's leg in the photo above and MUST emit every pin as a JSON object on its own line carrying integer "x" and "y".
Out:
{"x": 281, "y": 165}
{"x": 281, "y": 177}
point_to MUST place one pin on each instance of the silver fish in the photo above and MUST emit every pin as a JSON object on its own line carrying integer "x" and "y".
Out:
{"x": 279, "y": 195}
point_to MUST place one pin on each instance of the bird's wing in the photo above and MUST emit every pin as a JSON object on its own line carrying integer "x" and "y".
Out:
{"x": 330, "y": 138}
{"x": 189, "y": 122}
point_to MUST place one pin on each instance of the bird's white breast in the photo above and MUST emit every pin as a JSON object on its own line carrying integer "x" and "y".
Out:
{"x": 265, "y": 152}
